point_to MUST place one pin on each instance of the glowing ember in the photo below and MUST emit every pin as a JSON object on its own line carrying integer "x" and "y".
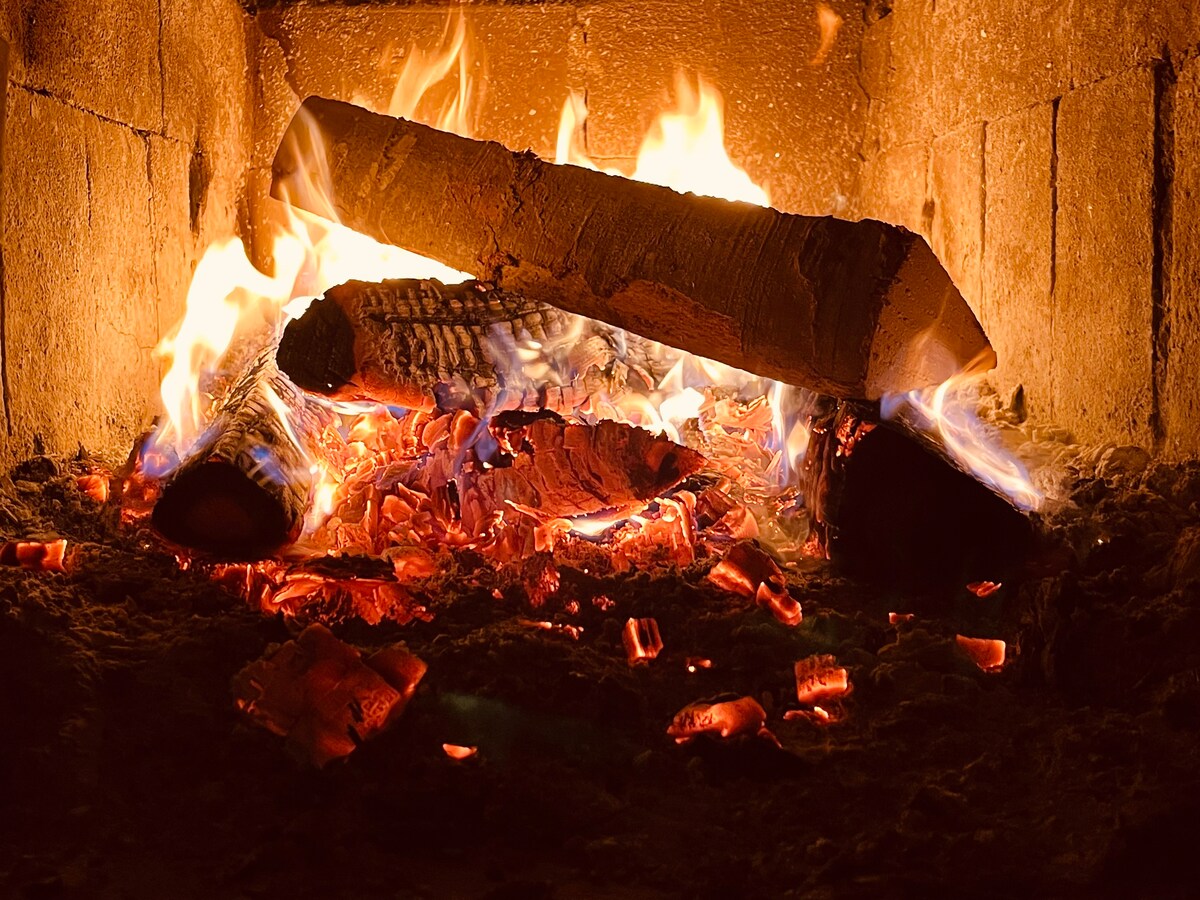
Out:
{"x": 695, "y": 663}
{"x": 95, "y": 486}
{"x": 895, "y": 618}
{"x": 322, "y": 696}
{"x": 459, "y": 752}
{"x": 571, "y": 631}
{"x": 986, "y": 653}
{"x": 984, "y": 588}
{"x": 37, "y": 556}
{"x": 820, "y": 679}
{"x": 750, "y": 572}
{"x": 722, "y": 719}
{"x": 642, "y": 640}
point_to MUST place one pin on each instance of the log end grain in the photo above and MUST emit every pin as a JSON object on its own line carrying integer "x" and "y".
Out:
{"x": 926, "y": 332}
{"x": 217, "y": 509}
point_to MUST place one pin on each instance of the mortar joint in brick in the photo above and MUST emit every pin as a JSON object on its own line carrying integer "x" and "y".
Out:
{"x": 1163, "y": 208}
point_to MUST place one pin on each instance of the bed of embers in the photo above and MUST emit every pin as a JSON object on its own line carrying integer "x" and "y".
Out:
{"x": 537, "y": 755}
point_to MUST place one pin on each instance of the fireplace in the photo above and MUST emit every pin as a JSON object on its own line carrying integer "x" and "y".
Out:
{"x": 843, "y": 542}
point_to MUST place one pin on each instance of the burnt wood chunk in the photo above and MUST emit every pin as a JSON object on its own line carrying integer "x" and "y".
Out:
{"x": 888, "y": 503}
{"x": 852, "y": 309}
{"x": 419, "y": 343}
{"x": 243, "y": 490}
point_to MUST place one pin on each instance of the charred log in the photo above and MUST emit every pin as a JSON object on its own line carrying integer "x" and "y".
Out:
{"x": 417, "y": 344}
{"x": 886, "y": 503}
{"x": 243, "y": 490}
{"x": 845, "y": 308}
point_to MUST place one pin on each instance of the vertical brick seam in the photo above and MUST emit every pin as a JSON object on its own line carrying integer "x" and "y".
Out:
{"x": 1163, "y": 209}
{"x": 1052, "y": 375}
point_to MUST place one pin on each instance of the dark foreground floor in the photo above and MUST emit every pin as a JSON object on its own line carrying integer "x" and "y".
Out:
{"x": 126, "y": 773}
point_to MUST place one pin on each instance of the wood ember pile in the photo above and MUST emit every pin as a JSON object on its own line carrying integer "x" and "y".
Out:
{"x": 1067, "y": 773}
{"x": 322, "y": 696}
{"x": 849, "y": 309}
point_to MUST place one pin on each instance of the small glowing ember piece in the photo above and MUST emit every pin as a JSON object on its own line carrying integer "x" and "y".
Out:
{"x": 819, "y": 679}
{"x": 95, "y": 486}
{"x": 725, "y": 719}
{"x": 571, "y": 631}
{"x": 603, "y": 603}
{"x": 986, "y": 653}
{"x": 984, "y": 588}
{"x": 34, "y": 555}
{"x": 899, "y": 618}
{"x": 747, "y": 570}
{"x": 694, "y": 663}
{"x": 322, "y": 696}
{"x": 457, "y": 751}
{"x": 642, "y": 640}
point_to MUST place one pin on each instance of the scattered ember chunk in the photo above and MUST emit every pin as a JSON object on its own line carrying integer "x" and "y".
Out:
{"x": 984, "y": 588}
{"x": 318, "y": 693}
{"x": 749, "y": 571}
{"x": 820, "y": 679}
{"x": 895, "y": 618}
{"x": 642, "y": 640}
{"x": 37, "y": 556}
{"x": 459, "y": 752}
{"x": 571, "y": 631}
{"x": 695, "y": 663}
{"x": 818, "y": 715}
{"x": 95, "y": 486}
{"x": 986, "y": 653}
{"x": 723, "y": 719}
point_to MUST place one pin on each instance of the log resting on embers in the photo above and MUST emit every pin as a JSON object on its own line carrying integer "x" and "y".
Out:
{"x": 418, "y": 343}
{"x": 243, "y": 490}
{"x": 851, "y": 309}
{"x": 886, "y": 502}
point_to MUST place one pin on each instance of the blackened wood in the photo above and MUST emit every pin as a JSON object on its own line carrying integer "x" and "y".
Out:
{"x": 845, "y": 308}
{"x": 418, "y": 343}
{"x": 398, "y": 341}
{"x": 243, "y": 490}
{"x": 887, "y": 503}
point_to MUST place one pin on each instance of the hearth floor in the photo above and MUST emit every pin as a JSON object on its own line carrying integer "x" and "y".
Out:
{"x": 126, "y": 771}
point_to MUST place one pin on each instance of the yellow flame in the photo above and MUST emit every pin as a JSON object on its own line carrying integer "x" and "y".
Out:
{"x": 829, "y": 23}
{"x": 683, "y": 150}
{"x": 312, "y": 254}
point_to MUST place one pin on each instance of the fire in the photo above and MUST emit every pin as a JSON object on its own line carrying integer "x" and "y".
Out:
{"x": 986, "y": 653}
{"x": 951, "y": 412}
{"x": 722, "y": 719}
{"x": 829, "y": 23}
{"x": 37, "y": 556}
{"x": 820, "y": 679}
{"x": 683, "y": 150}
{"x": 642, "y": 640}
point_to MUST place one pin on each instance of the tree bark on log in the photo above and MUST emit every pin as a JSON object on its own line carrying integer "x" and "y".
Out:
{"x": 852, "y": 309}
{"x": 419, "y": 343}
{"x": 243, "y": 490}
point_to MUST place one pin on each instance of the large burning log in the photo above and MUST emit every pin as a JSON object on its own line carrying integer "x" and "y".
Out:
{"x": 243, "y": 490}
{"x": 845, "y": 308}
{"x": 414, "y": 343}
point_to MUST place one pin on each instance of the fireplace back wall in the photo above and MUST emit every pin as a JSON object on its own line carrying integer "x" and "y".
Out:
{"x": 1048, "y": 154}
